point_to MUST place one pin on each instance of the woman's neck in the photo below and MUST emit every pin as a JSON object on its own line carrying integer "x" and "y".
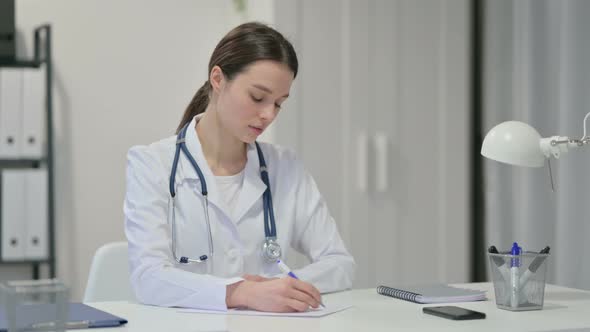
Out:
{"x": 225, "y": 154}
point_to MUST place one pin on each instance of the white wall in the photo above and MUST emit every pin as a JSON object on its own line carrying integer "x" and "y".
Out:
{"x": 124, "y": 72}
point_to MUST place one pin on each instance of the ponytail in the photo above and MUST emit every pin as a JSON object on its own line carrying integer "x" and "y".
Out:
{"x": 197, "y": 105}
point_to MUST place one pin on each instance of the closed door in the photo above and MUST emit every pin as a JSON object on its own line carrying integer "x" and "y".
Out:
{"x": 379, "y": 115}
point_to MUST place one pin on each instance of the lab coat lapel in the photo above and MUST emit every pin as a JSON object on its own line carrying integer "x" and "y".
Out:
{"x": 253, "y": 187}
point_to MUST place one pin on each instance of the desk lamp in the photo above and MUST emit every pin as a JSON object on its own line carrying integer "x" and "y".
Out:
{"x": 517, "y": 143}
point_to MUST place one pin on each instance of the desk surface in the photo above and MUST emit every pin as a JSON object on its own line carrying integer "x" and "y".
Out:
{"x": 565, "y": 308}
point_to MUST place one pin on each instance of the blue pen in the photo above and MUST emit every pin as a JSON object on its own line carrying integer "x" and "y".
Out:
{"x": 285, "y": 269}
{"x": 514, "y": 274}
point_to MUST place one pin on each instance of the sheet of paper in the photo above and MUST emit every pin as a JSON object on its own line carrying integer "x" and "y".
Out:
{"x": 320, "y": 312}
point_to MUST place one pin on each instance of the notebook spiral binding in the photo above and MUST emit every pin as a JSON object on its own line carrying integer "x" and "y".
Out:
{"x": 397, "y": 293}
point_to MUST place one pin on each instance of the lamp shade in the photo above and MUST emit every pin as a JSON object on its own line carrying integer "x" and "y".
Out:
{"x": 515, "y": 143}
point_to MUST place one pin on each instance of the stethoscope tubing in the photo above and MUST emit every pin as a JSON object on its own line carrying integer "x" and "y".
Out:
{"x": 269, "y": 218}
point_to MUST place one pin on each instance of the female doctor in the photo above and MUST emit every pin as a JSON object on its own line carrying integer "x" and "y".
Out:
{"x": 209, "y": 211}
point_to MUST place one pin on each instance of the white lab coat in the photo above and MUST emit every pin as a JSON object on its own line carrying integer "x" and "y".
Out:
{"x": 303, "y": 223}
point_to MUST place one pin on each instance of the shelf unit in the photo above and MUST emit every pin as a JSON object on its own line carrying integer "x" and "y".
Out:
{"x": 41, "y": 57}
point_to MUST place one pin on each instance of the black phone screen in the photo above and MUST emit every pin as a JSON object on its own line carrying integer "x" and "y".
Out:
{"x": 452, "y": 312}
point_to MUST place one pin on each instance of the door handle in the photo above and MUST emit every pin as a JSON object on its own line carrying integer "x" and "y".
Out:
{"x": 381, "y": 144}
{"x": 362, "y": 162}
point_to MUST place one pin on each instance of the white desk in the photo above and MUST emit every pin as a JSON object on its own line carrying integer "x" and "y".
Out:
{"x": 565, "y": 308}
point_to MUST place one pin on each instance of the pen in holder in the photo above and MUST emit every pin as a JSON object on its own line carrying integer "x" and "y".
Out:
{"x": 34, "y": 305}
{"x": 519, "y": 278}
{"x": 515, "y": 275}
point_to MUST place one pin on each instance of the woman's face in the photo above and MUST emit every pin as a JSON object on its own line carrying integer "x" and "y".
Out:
{"x": 249, "y": 103}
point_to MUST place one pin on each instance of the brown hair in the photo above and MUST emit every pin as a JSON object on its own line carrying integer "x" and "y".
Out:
{"x": 245, "y": 44}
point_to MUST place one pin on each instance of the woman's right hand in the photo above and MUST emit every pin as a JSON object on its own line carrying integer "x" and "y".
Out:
{"x": 276, "y": 295}
{"x": 255, "y": 277}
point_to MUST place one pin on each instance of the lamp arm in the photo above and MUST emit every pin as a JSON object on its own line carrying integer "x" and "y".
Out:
{"x": 571, "y": 142}
{"x": 555, "y": 145}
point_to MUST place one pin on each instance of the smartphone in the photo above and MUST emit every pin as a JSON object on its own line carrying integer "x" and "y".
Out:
{"x": 452, "y": 312}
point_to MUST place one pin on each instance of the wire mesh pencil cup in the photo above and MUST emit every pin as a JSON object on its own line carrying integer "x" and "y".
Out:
{"x": 519, "y": 280}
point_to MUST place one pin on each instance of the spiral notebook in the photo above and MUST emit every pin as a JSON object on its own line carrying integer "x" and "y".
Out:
{"x": 436, "y": 293}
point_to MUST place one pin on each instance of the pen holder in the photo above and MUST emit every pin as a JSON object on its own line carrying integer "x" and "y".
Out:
{"x": 34, "y": 305}
{"x": 519, "y": 280}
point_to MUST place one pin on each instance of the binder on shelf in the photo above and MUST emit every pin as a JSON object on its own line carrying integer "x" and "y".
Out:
{"x": 34, "y": 97}
{"x": 13, "y": 215}
{"x": 11, "y": 88}
{"x": 432, "y": 293}
{"x": 36, "y": 227}
{"x": 24, "y": 214}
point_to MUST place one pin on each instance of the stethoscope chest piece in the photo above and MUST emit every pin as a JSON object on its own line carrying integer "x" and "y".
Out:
{"x": 271, "y": 250}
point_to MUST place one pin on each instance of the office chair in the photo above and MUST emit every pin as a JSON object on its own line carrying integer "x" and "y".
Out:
{"x": 109, "y": 275}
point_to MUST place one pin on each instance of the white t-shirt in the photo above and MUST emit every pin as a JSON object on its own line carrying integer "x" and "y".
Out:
{"x": 229, "y": 187}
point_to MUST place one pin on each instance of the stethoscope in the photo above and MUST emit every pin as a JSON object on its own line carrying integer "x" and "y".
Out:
{"x": 271, "y": 250}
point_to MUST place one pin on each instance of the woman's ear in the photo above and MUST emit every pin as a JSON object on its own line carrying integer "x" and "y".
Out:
{"x": 216, "y": 79}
